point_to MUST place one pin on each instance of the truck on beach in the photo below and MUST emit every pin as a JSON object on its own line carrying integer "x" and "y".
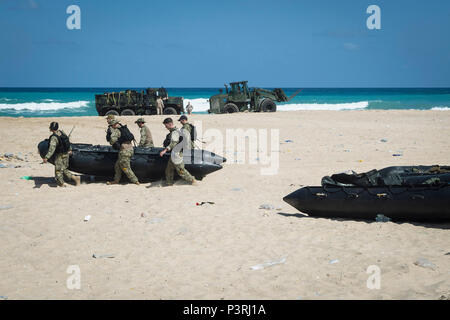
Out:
{"x": 133, "y": 102}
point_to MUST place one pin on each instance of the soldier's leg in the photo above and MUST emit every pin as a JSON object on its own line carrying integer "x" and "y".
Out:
{"x": 59, "y": 168}
{"x": 66, "y": 172}
{"x": 124, "y": 161}
{"x": 183, "y": 173}
{"x": 169, "y": 172}
{"x": 117, "y": 171}
{"x": 69, "y": 174}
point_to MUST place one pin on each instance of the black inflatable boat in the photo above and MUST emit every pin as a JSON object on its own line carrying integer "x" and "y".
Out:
{"x": 147, "y": 164}
{"x": 411, "y": 193}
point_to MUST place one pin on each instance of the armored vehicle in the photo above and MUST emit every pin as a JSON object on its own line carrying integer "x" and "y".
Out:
{"x": 239, "y": 97}
{"x": 132, "y": 102}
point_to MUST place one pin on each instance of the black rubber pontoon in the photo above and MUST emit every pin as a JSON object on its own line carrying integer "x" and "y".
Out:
{"x": 409, "y": 193}
{"x": 147, "y": 164}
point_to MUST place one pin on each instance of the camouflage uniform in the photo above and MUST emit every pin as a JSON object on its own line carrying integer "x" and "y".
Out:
{"x": 123, "y": 161}
{"x": 187, "y": 133}
{"x": 178, "y": 165}
{"x": 61, "y": 160}
{"x": 146, "y": 138}
{"x": 109, "y": 119}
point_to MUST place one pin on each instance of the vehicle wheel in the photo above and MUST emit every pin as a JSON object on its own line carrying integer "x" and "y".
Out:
{"x": 268, "y": 106}
{"x": 113, "y": 112}
{"x": 230, "y": 108}
{"x": 127, "y": 112}
{"x": 169, "y": 110}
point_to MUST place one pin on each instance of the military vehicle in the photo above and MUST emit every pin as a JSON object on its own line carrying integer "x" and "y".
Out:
{"x": 132, "y": 102}
{"x": 239, "y": 97}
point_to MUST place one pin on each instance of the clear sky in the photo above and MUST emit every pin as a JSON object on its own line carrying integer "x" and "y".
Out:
{"x": 282, "y": 43}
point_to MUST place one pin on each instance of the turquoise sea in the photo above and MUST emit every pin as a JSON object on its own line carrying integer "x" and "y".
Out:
{"x": 64, "y": 102}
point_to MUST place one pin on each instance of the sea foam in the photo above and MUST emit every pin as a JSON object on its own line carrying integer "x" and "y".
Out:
{"x": 44, "y": 106}
{"x": 324, "y": 106}
{"x": 199, "y": 104}
{"x": 202, "y": 105}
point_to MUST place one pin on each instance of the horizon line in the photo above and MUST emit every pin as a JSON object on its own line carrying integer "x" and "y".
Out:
{"x": 176, "y": 87}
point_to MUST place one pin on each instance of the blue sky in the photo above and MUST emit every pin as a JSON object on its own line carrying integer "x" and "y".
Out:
{"x": 283, "y": 43}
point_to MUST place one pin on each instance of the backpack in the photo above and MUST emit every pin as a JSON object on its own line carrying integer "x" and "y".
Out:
{"x": 169, "y": 138}
{"x": 125, "y": 135}
{"x": 63, "y": 143}
{"x": 193, "y": 132}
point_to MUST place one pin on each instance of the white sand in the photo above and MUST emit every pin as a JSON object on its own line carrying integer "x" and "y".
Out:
{"x": 182, "y": 251}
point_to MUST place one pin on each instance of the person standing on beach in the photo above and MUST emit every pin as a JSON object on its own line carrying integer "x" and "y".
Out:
{"x": 188, "y": 130}
{"x": 59, "y": 147}
{"x": 176, "y": 157}
{"x": 122, "y": 143}
{"x": 189, "y": 108}
{"x": 159, "y": 105}
{"x": 146, "y": 136}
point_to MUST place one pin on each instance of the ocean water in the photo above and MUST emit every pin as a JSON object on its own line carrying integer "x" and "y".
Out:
{"x": 65, "y": 102}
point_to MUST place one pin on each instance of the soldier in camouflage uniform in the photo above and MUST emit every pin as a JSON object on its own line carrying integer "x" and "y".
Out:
{"x": 109, "y": 118}
{"x": 61, "y": 158}
{"x": 187, "y": 127}
{"x": 146, "y": 136}
{"x": 124, "y": 157}
{"x": 176, "y": 157}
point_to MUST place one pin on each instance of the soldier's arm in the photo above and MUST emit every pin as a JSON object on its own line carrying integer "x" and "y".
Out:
{"x": 51, "y": 148}
{"x": 143, "y": 137}
{"x": 115, "y": 135}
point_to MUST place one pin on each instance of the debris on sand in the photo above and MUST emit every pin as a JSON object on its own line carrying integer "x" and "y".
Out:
{"x": 203, "y": 203}
{"x": 268, "y": 264}
{"x": 101, "y": 256}
{"x": 334, "y": 261}
{"x": 268, "y": 207}
{"x": 424, "y": 263}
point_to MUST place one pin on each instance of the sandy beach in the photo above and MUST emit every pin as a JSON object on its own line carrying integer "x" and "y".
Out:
{"x": 154, "y": 242}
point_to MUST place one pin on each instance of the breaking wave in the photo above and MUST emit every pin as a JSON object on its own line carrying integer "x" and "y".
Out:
{"x": 199, "y": 104}
{"x": 441, "y": 108}
{"x": 202, "y": 105}
{"x": 324, "y": 106}
{"x": 43, "y": 106}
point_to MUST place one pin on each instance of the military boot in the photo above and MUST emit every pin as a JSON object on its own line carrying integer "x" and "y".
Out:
{"x": 77, "y": 180}
{"x": 111, "y": 182}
